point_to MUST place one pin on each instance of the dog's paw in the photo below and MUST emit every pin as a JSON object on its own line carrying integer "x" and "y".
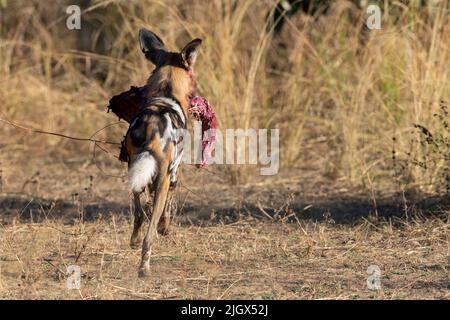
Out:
{"x": 144, "y": 273}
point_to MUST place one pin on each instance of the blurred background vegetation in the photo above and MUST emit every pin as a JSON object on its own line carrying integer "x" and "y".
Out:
{"x": 345, "y": 98}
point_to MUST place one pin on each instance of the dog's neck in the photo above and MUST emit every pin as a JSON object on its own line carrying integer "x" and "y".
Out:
{"x": 174, "y": 83}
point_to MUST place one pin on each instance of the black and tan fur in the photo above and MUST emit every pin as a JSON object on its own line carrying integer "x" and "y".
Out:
{"x": 152, "y": 151}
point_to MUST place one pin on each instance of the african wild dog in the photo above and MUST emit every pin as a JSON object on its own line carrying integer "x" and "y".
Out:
{"x": 152, "y": 148}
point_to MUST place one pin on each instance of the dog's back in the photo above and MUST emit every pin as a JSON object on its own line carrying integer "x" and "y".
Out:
{"x": 152, "y": 139}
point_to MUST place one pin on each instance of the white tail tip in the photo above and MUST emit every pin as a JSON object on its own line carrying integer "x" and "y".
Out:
{"x": 141, "y": 171}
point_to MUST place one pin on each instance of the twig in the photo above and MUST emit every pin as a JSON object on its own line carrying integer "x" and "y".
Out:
{"x": 18, "y": 126}
{"x": 228, "y": 289}
{"x": 264, "y": 211}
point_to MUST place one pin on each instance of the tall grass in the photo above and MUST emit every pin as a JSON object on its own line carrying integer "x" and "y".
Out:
{"x": 337, "y": 92}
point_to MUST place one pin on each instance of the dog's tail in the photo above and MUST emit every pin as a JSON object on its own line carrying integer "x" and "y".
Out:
{"x": 141, "y": 171}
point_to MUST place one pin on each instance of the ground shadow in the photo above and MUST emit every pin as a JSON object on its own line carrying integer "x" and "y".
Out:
{"x": 340, "y": 210}
{"x": 25, "y": 208}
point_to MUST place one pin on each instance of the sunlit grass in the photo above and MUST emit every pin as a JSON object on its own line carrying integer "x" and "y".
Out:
{"x": 338, "y": 93}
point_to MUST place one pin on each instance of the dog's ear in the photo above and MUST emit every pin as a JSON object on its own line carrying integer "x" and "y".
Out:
{"x": 152, "y": 46}
{"x": 189, "y": 52}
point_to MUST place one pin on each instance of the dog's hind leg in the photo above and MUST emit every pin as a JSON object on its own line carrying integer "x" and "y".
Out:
{"x": 171, "y": 205}
{"x": 159, "y": 203}
{"x": 169, "y": 212}
{"x": 139, "y": 214}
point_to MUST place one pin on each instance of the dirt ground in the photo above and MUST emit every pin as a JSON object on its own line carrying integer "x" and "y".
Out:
{"x": 361, "y": 117}
{"x": 290, "y": 236}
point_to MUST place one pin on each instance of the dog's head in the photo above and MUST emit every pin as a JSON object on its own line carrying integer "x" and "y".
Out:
{"x": 174, "y": 72}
